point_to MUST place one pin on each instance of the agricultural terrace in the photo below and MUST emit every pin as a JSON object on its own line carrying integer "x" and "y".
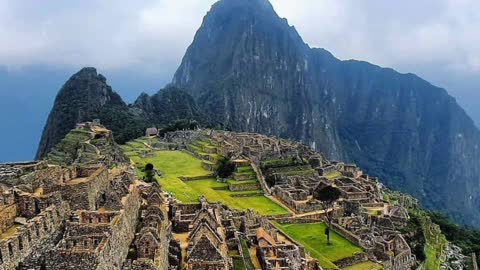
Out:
{"x": 312, "y": 237}
{"x": 176, "y": 164}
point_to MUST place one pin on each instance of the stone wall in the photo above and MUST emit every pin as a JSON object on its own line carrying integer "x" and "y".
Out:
{"x": 244, "y": 187}
{"x": 352, "y": 260}
{"x": 110, "y": 253}
{"x": 194, "y": 178}
{"x": 30, "y": 205}
{"x": 123, "y": 233}
{"x": 346, "y": 234}
{"x": 86, "y": 191}
{"x": 31, "y": 236}
{"x": 8, "y": 214}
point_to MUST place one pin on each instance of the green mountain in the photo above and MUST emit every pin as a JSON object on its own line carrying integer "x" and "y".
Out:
{"x": 87, "y": 96}
{"x": 249, "y": 70}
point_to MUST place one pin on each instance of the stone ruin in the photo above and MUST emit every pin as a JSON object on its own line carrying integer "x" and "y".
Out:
{"x": 214, "y": 231}
{"x": 99, "y": 215}
{"x": 93, "y": 215}
{"x": 292, "y": 172}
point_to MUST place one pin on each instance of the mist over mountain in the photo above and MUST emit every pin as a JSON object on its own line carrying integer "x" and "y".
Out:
{"x": 249, "y": 70}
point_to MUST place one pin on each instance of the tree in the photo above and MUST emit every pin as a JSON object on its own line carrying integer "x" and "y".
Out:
{"x": 225, "y": 168}
{"x": 149, "y": 173}
{"x": 327, "y": 195}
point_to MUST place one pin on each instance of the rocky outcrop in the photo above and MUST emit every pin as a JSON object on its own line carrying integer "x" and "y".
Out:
{"x": 84, "y": 97}
{"x": 168, "y": 105}
{"x": 250, "y": 71}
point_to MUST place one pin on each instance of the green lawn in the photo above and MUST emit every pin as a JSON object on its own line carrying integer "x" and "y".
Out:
{"x": 312, "y": 237}
{"x": 174, "y": 164}
{"x": 261, "y": 204}
{"x": 333, "y": 175}
{"x": 365, "y": 266}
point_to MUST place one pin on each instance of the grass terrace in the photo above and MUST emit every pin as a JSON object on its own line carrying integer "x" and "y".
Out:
{"x": 242, "y": 200}
{"x": 312, "y": 237}
{"x": 365, "y": 266}
{"x": 333, "y": 175}
{"x": 174, "y": 164}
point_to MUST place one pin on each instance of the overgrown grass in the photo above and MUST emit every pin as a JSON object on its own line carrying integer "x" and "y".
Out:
{"x": 312, "y": 237}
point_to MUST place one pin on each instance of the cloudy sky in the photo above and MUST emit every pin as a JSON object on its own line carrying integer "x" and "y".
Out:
{"x": 139, "y": 44}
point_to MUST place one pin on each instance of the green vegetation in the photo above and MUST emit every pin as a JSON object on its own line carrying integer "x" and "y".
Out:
{"x": 333, "y": 175}
{"x": 245, "y": 170}
{"x": 327, "y": 197}
{"x": 422, "y": 235}
{"x": 246, "y": 255}
{"x": 238, "y": 264}
{"x": 175, "y": 164}
{"x": 182, "y": 124}
{"x": 466, "y": 238}
{"x": 312, "y": 237}
{"x": 215, "y": 191}
{"x": 425, "y": 239}
{"x": 225, "y": 168}
{"x": 365, "y": 266}
{"x": 235, "y": 182}
{"x": 66, "y": 151}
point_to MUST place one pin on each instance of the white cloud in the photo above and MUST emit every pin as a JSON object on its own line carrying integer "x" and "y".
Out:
{"x": 402, "y": 34}
{"x": 154, "y": 34}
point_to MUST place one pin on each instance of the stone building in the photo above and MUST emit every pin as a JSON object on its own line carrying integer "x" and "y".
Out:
{"x": 151, "y": 132}
{"x": 275, "y": 255}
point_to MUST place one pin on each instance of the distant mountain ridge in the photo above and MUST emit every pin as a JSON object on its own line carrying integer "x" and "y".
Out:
{"x": 248, "y": 70}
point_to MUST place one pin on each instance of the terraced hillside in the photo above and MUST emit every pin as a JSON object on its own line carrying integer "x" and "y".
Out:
{"x": 188, "y": 174}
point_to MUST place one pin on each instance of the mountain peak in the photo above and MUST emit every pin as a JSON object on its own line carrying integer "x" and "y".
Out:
{"x": 89, "y": 73}
{"x": 244, "y": 3}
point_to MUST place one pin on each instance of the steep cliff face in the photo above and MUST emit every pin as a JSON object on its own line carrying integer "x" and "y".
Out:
{"x": 249, "y": 70}
{"x": 167, "y": 105}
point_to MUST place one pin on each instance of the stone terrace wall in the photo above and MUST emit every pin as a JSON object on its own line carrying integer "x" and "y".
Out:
{"x": 110, "y": 255}
{"x": 86, "y": 192}
{"x": 31, "y": 236}
{"x": 244, "y": 187}
{"x": 8, "y": 214}
{"x": 113, "y": 256}
{"x": 346, "y": 234}
{"x": 349, "y": 261}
